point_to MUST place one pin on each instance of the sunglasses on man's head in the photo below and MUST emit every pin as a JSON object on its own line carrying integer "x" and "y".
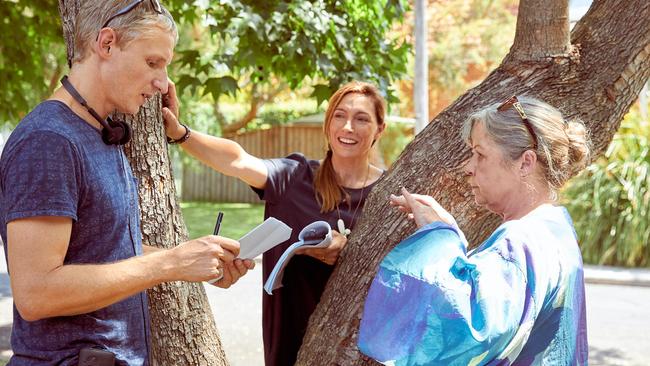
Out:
{"x": 514, "y": 103}
{"x": 155, "y": 5}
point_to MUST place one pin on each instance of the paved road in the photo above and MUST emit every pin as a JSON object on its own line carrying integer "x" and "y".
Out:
{"x": 618, "y": 321}
{"x": 238, "y": 314}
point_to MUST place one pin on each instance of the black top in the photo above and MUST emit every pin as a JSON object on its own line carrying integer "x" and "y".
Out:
{"x": 290, "y": 197}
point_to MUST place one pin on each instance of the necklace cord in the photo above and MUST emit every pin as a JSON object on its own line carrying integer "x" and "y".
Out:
{"x": 349, "y": 198}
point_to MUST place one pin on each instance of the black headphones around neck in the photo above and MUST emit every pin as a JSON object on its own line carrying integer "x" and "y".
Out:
{"x": 114, "y": 132}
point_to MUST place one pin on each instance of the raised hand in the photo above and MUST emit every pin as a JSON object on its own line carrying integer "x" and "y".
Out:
{"x": 170, "y": 111}
{"x": 421, "y": 208}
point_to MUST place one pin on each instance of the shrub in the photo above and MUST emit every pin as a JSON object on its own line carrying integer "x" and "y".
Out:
{"x": 609, "y": 200}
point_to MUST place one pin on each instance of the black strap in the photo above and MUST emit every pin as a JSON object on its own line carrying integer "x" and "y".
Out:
{"x": 75, "y": 94}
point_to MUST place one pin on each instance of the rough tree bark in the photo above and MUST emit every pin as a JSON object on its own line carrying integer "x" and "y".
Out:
{"x": 595, "y": 77}
{"x": 182, "y": 327}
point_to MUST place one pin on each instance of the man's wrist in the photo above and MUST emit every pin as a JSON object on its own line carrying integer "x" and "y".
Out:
{"x": 164, "y": 262}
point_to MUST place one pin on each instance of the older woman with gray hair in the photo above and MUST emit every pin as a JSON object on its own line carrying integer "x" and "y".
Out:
{"x": 518, "y": 298}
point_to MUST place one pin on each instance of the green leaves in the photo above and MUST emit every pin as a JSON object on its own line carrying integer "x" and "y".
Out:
{"x": 220, "y": 85}
{"x": 190, "y": 58}
{"x": 225, "y": 45}
{"x": 322, "y": 93}
{"x": 295, "y": 42}
{"x": 32, "y": 55}
{"x": 610, "y": 200}
{"x": 187, "y": 81}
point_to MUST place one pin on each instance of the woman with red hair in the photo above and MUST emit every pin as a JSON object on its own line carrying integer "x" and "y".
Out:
{"x": 299, "y": 191}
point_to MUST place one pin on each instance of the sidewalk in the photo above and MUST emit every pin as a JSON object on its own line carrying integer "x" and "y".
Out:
{"x": 617, "y": 275}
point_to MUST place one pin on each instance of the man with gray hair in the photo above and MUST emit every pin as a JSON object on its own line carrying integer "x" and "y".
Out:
{"x": 69, "y": 204}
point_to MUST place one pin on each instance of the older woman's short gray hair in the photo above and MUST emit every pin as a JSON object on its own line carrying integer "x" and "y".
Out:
{"x": 138, "y": 22}
{"x": 562, "y": 147}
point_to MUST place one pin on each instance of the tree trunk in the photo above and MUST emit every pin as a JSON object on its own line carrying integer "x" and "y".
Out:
{"x": 596, "y": 80}
{"x": 542, "y": 30}
{"x": 182, "y": 327}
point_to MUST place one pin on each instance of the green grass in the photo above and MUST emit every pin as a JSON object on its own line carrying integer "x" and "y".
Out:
{"x": 238, "y": 218}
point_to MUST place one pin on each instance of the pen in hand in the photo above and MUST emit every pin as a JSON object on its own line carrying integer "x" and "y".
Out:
{"x": 217, "y": 227}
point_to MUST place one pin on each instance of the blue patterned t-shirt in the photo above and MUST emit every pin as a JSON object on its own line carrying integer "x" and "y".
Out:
{"x": 55, "y": 164}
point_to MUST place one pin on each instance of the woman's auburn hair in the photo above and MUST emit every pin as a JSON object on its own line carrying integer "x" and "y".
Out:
{"x": 329, "y": 192}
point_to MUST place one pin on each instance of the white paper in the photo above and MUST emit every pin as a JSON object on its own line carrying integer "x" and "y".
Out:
{"x": 263, "y": 237}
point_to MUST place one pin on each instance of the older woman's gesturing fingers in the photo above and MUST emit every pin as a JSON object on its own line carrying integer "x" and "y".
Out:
{"x": 421, "y": 208}
{"x": 399, "y": 202}
{"x": 443, "y": 215}
{"x": 422, "y": 212}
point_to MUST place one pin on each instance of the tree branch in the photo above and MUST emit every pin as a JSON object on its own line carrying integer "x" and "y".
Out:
{"x": 257, "y": 101}
{"x": 230, "y": 128}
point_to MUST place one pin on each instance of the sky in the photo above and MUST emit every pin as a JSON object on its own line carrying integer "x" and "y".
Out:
{"x": 578, "y": 8}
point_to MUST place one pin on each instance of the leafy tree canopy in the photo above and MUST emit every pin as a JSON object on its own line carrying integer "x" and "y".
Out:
{"x": 290, "y": 41}
{"x": 263, "y": 43}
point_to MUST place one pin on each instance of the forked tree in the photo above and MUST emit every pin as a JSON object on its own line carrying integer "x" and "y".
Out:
{"x": 594, "y": 73}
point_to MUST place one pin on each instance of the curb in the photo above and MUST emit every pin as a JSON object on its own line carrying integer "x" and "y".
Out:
{"x": 607, "y": 275}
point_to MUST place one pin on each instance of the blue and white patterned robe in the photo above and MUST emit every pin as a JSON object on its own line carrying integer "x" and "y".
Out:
{"x": 517, "y": 299}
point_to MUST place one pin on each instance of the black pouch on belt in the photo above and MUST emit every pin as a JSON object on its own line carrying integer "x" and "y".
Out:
{"x": 91, "y": 356}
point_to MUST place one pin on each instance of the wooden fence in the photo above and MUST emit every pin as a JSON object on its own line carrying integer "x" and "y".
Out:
{"x": 201, "y": 183}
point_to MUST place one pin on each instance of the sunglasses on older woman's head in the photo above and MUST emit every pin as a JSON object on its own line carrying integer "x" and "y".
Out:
{"x": 514, "y": 103}
{"x": 155, "y": 5}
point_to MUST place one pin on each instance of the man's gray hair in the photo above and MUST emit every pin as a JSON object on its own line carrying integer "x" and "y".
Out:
{"x": 140, "y": 21}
